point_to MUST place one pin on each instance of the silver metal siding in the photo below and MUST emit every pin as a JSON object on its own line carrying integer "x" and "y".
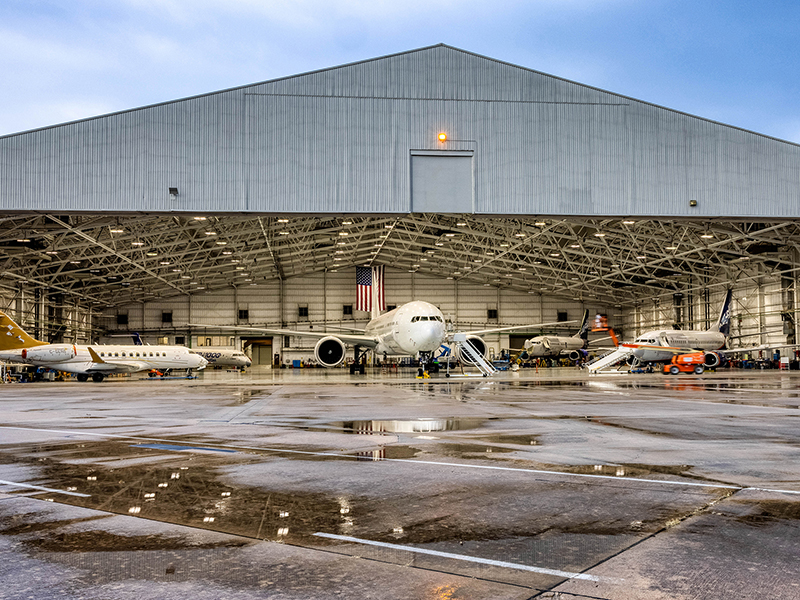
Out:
{"x": 339, "y": 141}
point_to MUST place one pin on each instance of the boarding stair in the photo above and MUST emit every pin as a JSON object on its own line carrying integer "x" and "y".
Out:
{"x": 472, "y": 355}
{"x": 607, "y": 360}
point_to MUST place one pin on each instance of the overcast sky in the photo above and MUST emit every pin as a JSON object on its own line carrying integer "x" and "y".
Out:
{"x": 737, "y": 62}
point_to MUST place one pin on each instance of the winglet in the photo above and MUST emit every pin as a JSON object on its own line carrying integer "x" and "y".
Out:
{"x": 95, "y": 357}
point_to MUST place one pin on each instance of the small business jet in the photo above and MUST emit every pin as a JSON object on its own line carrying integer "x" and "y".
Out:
{"x": 95, "y": 361}
{"x": 223, "y": 356}
{"x": 556, "y": 345}
{"x": 413, "y": 329}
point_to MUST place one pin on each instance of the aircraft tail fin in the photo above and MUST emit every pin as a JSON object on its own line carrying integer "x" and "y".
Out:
{"x": 137, "y": 339}
{"x": 583, "y": 332}
{"x": 12, "y": 336}
{"x": 723, "y": 324}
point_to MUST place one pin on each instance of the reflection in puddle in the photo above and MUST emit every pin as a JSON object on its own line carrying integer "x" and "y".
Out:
{"x": 766, "y": 512}
{"x": 400, "y": 426}
{"x": 193, "y": 496}
{"x": 471, "y": 449}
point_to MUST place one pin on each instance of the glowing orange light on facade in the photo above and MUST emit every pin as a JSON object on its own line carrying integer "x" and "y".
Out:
{"x": 443, "y": 137}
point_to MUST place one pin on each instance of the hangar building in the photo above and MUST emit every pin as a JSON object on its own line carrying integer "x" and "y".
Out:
{"x": 253, "y": 206}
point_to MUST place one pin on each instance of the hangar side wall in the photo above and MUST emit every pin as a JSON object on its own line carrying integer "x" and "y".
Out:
{"x": 340, "y": 141}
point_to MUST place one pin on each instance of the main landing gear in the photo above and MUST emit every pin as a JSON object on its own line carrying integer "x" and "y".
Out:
{"x": 96, "y": 377}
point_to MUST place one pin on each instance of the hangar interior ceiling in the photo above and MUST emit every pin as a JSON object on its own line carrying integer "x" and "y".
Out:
{"x": 113, "y": 260}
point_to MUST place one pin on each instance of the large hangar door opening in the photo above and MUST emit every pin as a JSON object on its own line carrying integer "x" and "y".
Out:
{"x": 442, "y": 182}
{"x": 261, "y": 351}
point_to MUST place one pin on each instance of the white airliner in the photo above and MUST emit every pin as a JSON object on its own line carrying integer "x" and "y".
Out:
{"x": 557, "y": 345}
{"x": 223, "y": 356}
{"x": 660, "y": 345}
{"x": 413, "y": 329}
{"x": 95, "y": 361}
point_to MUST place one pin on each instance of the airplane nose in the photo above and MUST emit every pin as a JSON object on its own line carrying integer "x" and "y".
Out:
{"x": 431, "y": 337}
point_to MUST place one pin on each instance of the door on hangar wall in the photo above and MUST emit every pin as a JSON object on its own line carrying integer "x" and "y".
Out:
{"x": 260, "y": 350}
{"x": 442, "y": 181}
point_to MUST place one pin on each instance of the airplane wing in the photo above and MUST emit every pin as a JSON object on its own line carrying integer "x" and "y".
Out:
{"x": 101, "y": 366}
{"x": 529, "y": 326}
{"x": 743, "y": 349}
{"x": 353, "y": 339}
{"x": 673, "y": 349}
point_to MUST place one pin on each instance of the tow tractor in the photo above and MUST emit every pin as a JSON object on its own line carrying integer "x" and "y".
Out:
{"x": 685, "y": 363}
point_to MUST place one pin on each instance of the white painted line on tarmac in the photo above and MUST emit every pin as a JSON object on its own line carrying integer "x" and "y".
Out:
{"x": 424, "y": 462}
{"x": 43, "y": 489}
{"x": 463, "y": 557}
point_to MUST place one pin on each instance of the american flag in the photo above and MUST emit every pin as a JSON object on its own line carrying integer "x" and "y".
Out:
{"x": 365, "y": 276}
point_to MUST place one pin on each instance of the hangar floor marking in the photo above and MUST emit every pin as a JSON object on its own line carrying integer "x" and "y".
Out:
{"x": 464, "y": 557}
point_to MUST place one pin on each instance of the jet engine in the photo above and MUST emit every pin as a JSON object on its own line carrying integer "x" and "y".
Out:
{"x": 714, "y": 359}
{"x": 49, "y": 354}
{"x": 578, "y": 354}
{"x": 479, "y": 345}
{"x": 329, "y": 351}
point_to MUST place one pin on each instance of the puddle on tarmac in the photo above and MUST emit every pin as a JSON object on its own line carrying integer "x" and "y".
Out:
{"x": 190, "y": 496}
{"x": 464, "y": 450}
{"x": 102, "y": 541}
{"x": 766, "y": 512}
{"x": 398, "y": 426}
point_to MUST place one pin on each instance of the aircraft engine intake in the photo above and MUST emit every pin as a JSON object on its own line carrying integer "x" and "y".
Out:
{"x": 479, "y": 345}
{"x": 49, "y": 353}
{"x": 713, "y": 359}
{"x": 578, "y": 354}
{"x": 329, "y": 351}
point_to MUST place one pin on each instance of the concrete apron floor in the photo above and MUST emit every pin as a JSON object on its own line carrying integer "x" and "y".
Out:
{"x": 321, "y": 484}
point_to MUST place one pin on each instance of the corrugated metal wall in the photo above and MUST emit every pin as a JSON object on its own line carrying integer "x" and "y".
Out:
{"x": 325, "y": 294}
{"x": 339, "y": 140}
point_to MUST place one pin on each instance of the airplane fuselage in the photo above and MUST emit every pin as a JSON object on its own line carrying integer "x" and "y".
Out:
{"x": 408, "y": 329}
{"x": 74, "y": 358}
{"x": 552, "y": 345}
{"x": 688, "y": 340}
{"x": 223, "y": 356}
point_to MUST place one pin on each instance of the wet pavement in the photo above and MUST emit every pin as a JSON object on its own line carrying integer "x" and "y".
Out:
{"x": 319, "y": 484}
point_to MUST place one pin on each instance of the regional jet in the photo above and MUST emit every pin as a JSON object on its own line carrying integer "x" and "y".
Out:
{"x": 662, "y": 344}
{"x": 96, "y": 361}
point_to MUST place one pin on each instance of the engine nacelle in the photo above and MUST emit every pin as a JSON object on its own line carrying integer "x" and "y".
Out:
{"x": 52, "y": 353}
{"x": 479, "y": 345}
{"x": 580, "y": 354}
{"x": 714, "y": 359}
{"x": 329, "y": 351}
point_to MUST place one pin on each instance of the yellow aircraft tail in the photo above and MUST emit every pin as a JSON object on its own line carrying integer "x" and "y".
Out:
{"x": 12, "y": 336}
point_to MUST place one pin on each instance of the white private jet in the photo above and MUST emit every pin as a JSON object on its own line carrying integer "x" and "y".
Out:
{"x": 223, "y": 356}
{"x": 96, "y": 361}
{"x": 413, "y": 329}
{"x": 557, "y": 345}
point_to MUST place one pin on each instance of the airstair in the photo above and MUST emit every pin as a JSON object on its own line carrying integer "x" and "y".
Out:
{"x": 471, "y": 355}
{"x": 609, "y": 359}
